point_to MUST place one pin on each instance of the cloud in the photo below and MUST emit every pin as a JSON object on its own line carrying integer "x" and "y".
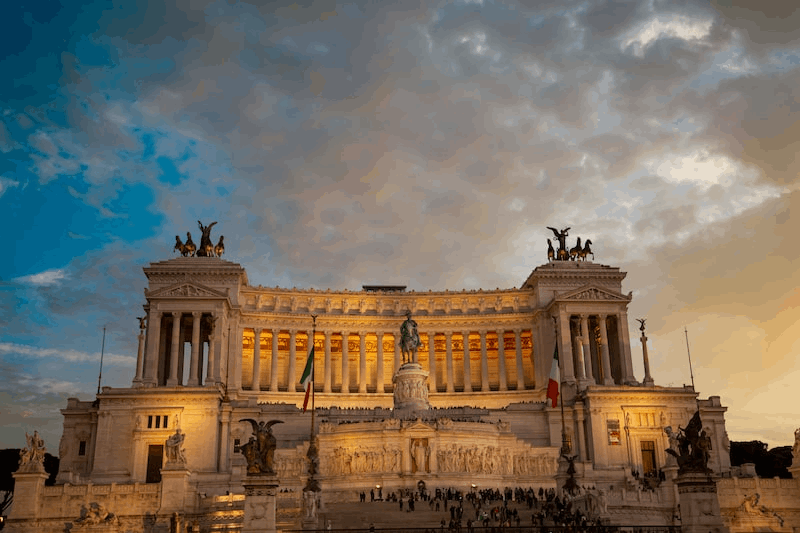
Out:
{"x": 6, "y": 184}
{"x": 665, "y": 26}
{"x": 72, "y": 356}
{"x": 48, "y": 277}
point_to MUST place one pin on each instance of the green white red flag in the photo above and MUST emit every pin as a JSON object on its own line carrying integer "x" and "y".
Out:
{"x": 555, "y": 378}
{"x": 307, "y": 380}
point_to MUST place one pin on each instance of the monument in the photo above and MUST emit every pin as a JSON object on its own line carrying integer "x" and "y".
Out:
{"x": 448, "y": 387}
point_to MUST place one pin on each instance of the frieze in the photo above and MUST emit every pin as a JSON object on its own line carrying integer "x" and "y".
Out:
{"x": 593, "y": 293}
{"x": 186, "y": 290}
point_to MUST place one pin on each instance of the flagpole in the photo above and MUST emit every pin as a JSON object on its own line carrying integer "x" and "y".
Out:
{"x": 565, "y": 449}
{"x": 312, "y": 485}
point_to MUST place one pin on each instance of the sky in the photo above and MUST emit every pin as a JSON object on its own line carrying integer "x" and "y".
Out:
{"x": 425, "y": 143}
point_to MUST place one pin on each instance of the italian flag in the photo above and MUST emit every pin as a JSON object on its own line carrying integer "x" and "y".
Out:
{"x": 307, "y": 380}
{"x": 555, "y": 378}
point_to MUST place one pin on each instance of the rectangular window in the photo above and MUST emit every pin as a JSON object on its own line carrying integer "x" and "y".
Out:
{"x": 150, "y": 422}
{"x": 165, "y": 422}
{"x": 158, "y": 422}
{"x": 649, "y": 457}
{"x": 155, "y": 459}
{"x": 82, "y": 448}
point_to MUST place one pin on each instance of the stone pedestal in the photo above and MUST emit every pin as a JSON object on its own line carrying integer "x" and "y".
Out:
{"x": 260, "y": 493}
{"x": 28, "y": 487}
{"x": 699, "y": 504}
{"x": 410, "y": 390}
{"x": 311, "y": 503}
{"x": 174, "y": 487}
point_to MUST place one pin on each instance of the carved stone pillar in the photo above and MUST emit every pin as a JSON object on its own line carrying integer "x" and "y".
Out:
{"x": 327, "y": 386}
{"x": 172, "y": 381}
{"x": 362, "y": 362}
{"x": 256, "y": 385}
{"x": 577, "y": 349}
{"x": 379, "y": 372}
{"x": 151, "y": 355}
{"x": 345, "y": 369}
{"x": 625, "y": 350}
{"x": 581, "y": 444}
{"x": 139, "y": 358}
{"x": 608, "y": 379}
{"x": 432, "y": 362}
{"x": 587, "y": 351}
{"x": 518, "y": 350}
{"x": 213, "y": 337}
{"x": 449, "y": 347}
{"x": 484, "y": 363}
{"x": 273, "y": 371}
{"x": 467, "y": 369}
{"x": 648, "y": 380}
{"x": 292, "y": 380}
{"x": 194, "y": 373}
{"x": 565, "y": 348}
{"x": 501, "y": 359}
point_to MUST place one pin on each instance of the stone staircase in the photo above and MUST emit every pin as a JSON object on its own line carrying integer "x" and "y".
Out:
{"x": 387, "y": 515}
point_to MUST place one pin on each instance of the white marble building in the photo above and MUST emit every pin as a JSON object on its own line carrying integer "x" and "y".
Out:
{"x": 216, "y": 350}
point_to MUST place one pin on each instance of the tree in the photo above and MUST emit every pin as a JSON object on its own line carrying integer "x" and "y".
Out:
{"x": 9, "y": 463}
{"x": 769, "y": 463}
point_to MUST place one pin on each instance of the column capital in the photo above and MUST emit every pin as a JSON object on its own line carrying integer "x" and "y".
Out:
{"x": 293, "y": 333}
{"x": 197, "y": 314}
{"x": 380, "y": 334}
{"x": 465, "y": 333}
{"x": 517, "y": 331}
{"x": 257, "y": 331}
{"x": 500, "y": 331}
{"x": 176, "y": 313}
{"x": 362, "y": 333}
{"x": 275, "y": 331}
{"x": 482, "y": 332}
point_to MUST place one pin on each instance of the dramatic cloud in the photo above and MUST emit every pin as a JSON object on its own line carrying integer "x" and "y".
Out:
{"x": 420, "y": 143}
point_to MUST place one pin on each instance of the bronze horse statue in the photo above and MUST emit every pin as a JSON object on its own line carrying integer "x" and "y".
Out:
{"x": 587, "y": 250}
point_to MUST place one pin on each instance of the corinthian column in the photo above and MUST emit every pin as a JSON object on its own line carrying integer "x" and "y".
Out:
{"x": 327, "y": 386}
{"x": 501, "y": 359}
{"x": 256, "y": 386}
{"x": 379, "y": 373}
{"x": 139, "y": 358}
{"x": 362, "y": 367}
{"x": 153, "y": 345}
{"x": 608, "y": 378}
{"x": 273, "y": 372}
{"x": 518, "y": 349}
{"x": 172, "y": 381}
{"x": 467, "y": 369}
{"x": 292, "y": 381}
{"x": 432, "y": 362}
{"x": 193, "y": 363}
{"x": 345, "y": 369}
{"x": 587, "y": 351}
{"x": 449, "y": 347}
{"x": 484, "y": 363}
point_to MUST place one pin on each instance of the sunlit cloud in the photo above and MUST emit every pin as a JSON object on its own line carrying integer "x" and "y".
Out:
{"x": 48, "y": 277}
{"x": 661, "y": 26}
{"x": 72, "y": 356}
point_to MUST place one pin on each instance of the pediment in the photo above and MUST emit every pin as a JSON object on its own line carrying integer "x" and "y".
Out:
{"x": 593, "y": 293}
{"x": 186, "y": 290}
{"x": 418, "y": 425}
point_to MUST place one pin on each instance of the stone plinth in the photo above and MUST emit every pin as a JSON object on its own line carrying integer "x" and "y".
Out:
{"x": 700, "y": 511}
{"x": 410, "y": 390}
{"x": 174, "y": 486}
{"x": 311, "y": 501}
{"x": 260, "y": 492}
{"x": 28, "y": 488}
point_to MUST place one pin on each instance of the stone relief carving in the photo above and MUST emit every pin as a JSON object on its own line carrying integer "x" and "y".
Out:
{"x": 751, "y": 506}
{"x": 188, "y": 290}
{"x": 95, "y": 514}
{"x": 420, "y": 453}
{"x": 345, "y": 461}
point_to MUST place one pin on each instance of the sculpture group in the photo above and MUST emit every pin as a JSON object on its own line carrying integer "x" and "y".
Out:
{"x": 31, "y": 458}
{"x": 259, "y": 452}
{"x": 693, "y": 447}
{"x": 206, "y": 249}
{"x": 567, "y": 254}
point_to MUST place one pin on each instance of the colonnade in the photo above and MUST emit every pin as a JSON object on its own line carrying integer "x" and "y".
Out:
{"x": 457, "y": 372}
{"x": 160, "y": 361}
{"x": 599, "y": 348}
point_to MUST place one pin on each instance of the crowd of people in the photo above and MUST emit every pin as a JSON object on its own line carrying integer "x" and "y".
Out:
{"x": 489, "y": 509}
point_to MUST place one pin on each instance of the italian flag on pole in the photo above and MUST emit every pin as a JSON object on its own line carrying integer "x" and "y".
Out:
{"x": 555, "y": 378}
{"x": 307, "y": 380}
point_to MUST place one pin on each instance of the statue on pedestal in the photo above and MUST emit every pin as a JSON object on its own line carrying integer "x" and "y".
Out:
{"x": 409, "y": 339}
{"x": 260, "y": 449}
{"x": 31, "y": 458}
{"x": 174, "y": 449}
{"x": 796, "y": 447}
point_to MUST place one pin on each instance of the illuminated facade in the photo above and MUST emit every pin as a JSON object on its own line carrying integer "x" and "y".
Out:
{"x": 216, "y": 350}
